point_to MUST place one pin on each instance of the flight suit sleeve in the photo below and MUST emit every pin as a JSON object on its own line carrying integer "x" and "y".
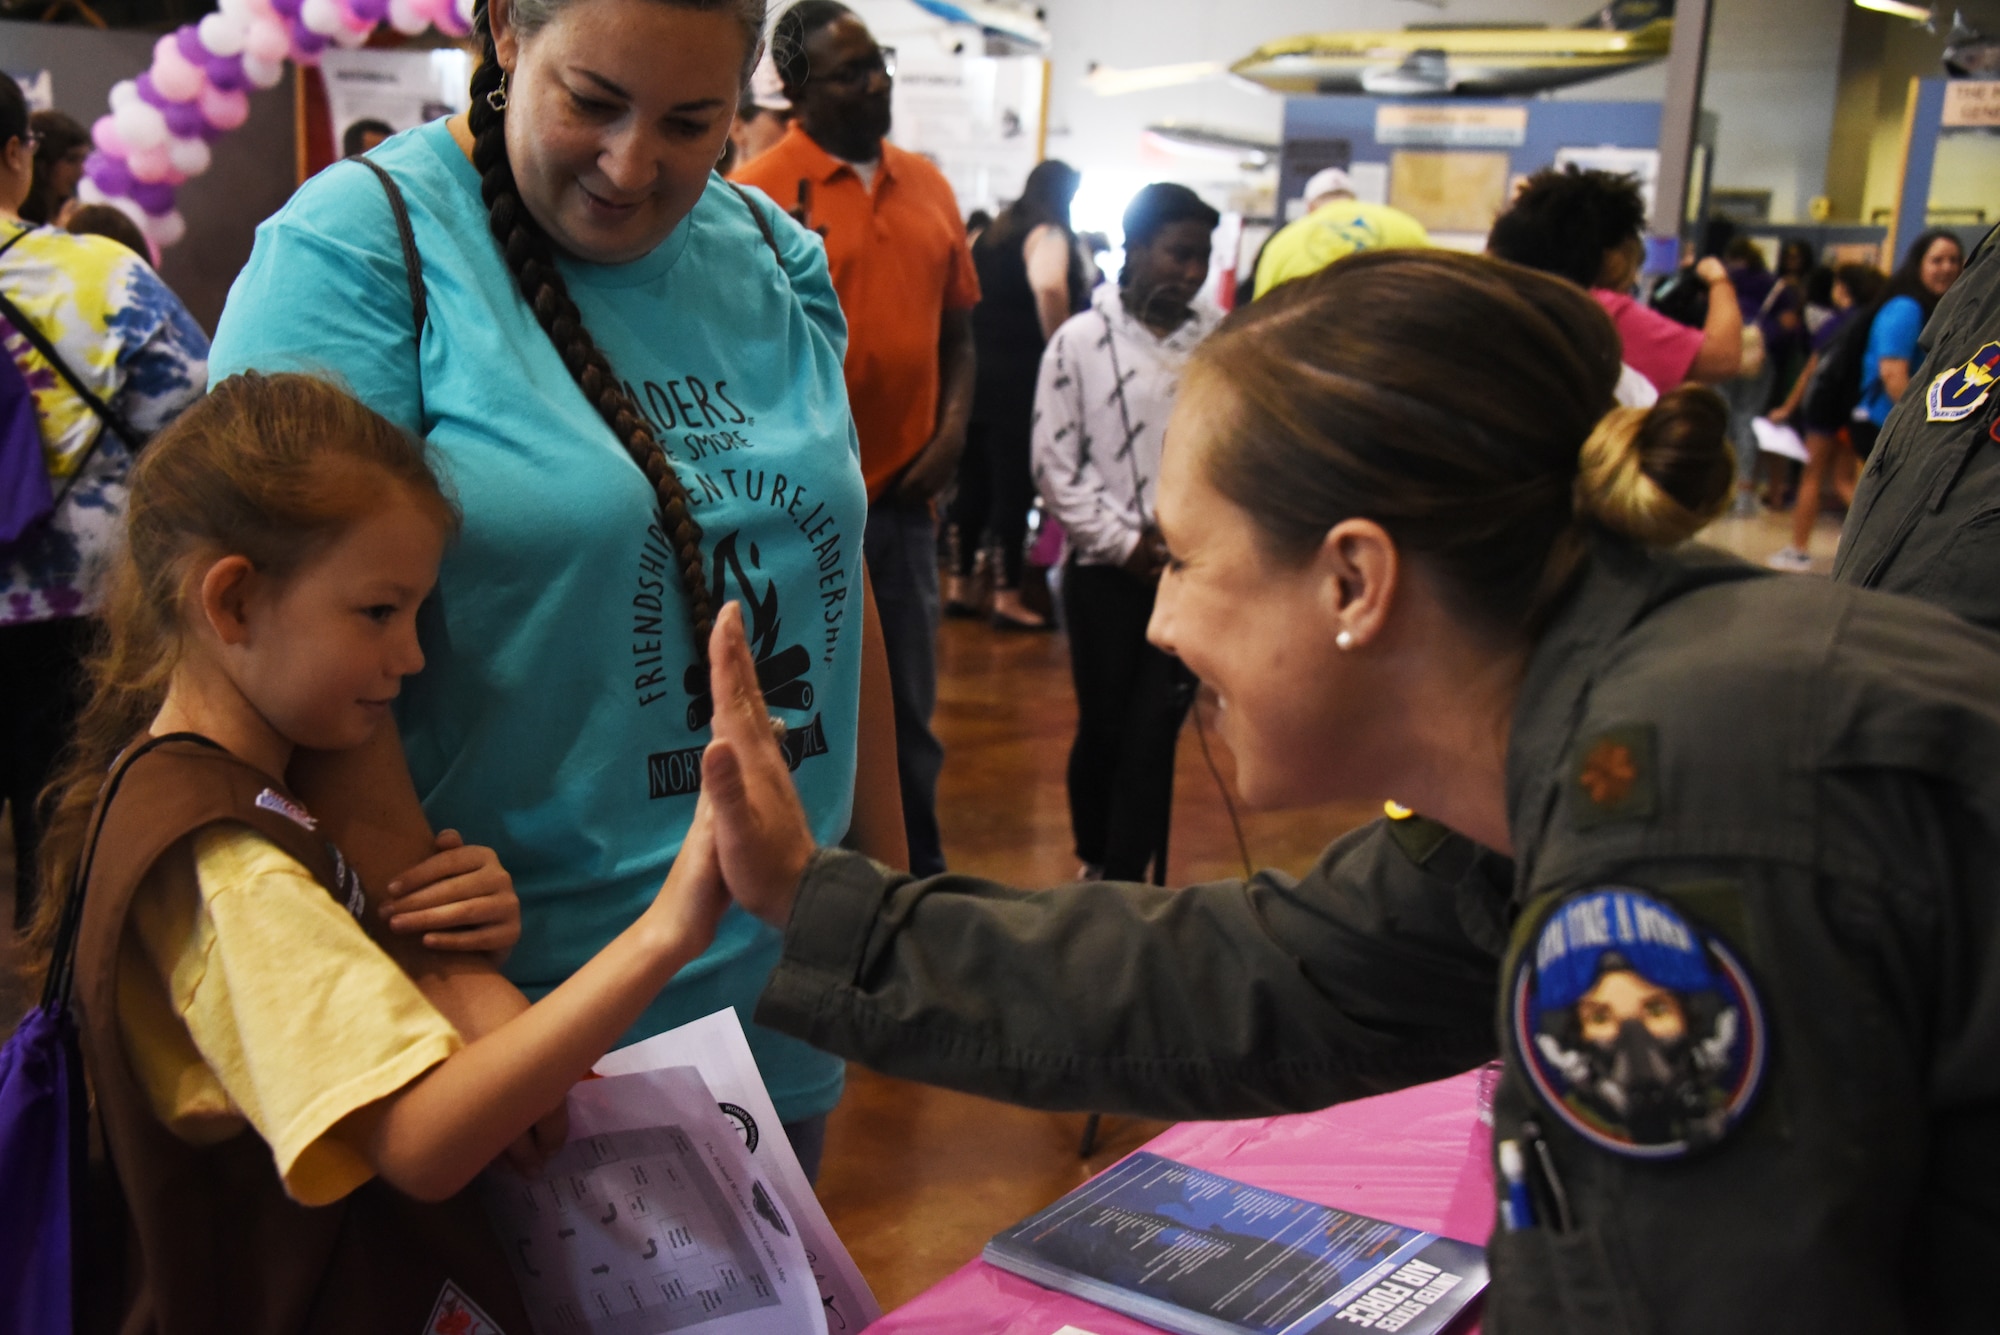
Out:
{"x": 1375, "y": 971}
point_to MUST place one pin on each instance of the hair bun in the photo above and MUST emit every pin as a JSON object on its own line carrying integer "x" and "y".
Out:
{"x": 1658, "y": 475}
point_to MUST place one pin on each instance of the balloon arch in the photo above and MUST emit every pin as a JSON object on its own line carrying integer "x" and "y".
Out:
{"x": 157, "y": 134}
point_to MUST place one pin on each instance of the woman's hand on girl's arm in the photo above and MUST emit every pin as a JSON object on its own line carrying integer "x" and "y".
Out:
{"x": 761, "y": 839}
{"x": 459, "y": 898}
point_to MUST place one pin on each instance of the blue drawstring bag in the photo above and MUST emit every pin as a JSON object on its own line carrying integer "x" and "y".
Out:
{"x": 41, "y": 1146}
{"x": 44, "y": 1134}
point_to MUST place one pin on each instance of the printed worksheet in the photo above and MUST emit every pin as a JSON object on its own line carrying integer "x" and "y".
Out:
{"x": 715, "y": 1046}
{"x": 653, "y": 1219}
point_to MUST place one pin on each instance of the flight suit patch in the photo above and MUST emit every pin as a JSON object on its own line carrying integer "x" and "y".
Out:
{"x": 1957, "y": 394}
{"x": 1637, "y": 1028}
{"x": 1612, "y": 776}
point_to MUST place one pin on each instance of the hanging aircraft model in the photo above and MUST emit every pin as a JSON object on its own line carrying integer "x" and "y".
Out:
{"x": 1010, "y": 29}
{"x": 1436, "y": 60}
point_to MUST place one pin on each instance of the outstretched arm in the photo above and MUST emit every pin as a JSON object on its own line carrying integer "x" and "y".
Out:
{"x": 1231, "y": 999}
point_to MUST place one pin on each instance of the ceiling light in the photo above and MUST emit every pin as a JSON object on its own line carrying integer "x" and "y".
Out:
{"x": 1900, "y": 8}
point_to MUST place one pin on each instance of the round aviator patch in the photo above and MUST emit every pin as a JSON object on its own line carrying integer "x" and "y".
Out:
{"x": 1636, "y": 1027}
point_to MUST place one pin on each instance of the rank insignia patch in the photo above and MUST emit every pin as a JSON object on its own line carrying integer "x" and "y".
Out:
{"x": 1611, "y": 777}
{"x": 1637, "y": 1028}
{"x": 1957, "y": 394}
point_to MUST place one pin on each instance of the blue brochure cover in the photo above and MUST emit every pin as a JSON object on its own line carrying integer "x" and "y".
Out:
{"x": 1195, "y": 1252}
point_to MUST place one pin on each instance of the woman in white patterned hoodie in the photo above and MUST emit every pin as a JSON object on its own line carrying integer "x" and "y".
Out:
{"x": 1107, "y": 384}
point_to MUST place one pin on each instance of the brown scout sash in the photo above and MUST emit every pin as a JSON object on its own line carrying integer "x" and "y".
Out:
{"x": 214, "y": 1244}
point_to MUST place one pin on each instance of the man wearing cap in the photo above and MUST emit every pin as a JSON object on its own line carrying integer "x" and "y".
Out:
{"x": 762, "y": 116}
{"x": 1335, "y": 226}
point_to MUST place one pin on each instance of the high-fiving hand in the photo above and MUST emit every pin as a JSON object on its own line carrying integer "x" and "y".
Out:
{"x": 760, "y": 836}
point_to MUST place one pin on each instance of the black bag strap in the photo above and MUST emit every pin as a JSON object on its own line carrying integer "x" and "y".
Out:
{"x": 413, "y": 263}
{"x": 763, "y": 224}
{"x": 62, "y": 958}
{"x": 113, "y": 420}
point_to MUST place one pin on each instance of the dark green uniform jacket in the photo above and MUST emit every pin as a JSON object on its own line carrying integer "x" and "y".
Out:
{"x": 1926, "y": 517}
{"x": 1747, "y": 961}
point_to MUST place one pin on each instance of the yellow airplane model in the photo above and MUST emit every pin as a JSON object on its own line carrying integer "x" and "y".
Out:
{"x": 1436, "y": 60}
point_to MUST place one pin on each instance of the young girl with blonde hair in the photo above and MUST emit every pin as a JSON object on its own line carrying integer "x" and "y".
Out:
{"x": 291, "y": 1120}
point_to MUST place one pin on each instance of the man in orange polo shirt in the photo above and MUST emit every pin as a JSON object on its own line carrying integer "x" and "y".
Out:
{"x": 896, "y": 246}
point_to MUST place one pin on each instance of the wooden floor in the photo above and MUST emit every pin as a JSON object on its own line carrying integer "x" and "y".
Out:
{"x": 916, "y": 1179}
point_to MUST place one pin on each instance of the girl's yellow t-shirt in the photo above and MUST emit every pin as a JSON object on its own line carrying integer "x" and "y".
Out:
{"x": 247, "y": 993}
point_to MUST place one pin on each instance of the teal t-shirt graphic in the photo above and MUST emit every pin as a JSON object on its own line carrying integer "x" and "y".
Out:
{"x": 559, "y": 717}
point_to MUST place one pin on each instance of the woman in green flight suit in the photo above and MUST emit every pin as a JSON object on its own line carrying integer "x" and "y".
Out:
{"x": 1740, "y": 918}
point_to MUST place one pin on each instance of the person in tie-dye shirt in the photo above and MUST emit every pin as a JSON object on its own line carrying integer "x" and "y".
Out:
{"x": 126, "y": 335}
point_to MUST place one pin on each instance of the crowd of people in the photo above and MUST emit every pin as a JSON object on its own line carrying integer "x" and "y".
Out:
{"x": 517, "y": 635}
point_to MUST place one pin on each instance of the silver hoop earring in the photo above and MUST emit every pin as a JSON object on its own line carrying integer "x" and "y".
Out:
{"x": 1344, "y": 641}
{"x": 497, "y": 99}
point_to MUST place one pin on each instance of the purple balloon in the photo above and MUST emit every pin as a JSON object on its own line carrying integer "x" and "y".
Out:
{"x": 188, "y": 40}
{"x": 305, "y": 41}
{"x": 185, "y": 119}
{"x": 225, "y": 72}
{"x": 374, "y": 11}
{"x": 155, "y": 197}
{"x": 288, "y": 8}
{"x": 149, "y": 91}
{"x": 111, "y": 174}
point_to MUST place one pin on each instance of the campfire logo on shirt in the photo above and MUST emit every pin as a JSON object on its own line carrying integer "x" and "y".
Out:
{"x": 737, "y": 572}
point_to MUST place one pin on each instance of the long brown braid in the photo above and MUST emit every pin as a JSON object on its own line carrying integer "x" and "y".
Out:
{"x": 531, "y": 258}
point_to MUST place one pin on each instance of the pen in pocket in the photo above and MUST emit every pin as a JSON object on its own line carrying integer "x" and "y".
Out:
{"x": 1543, "y": 1170}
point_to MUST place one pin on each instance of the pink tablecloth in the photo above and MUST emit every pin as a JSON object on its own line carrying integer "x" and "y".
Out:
{"x": 1419, "y": 1157}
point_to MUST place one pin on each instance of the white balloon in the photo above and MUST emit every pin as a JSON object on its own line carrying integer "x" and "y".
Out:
{"x": 268, "y": 41}
{"x": 223, "y": 33}
{"x": 465, "y": 8}
{"x": 190, "y": 157}
{"x": 87, "y": 191}
{"x": 167, "y": 229}
{"x": 141, "y": 126}
{"x": 406, "y": 18}
{"x": 263, "y": 73}
{"x": 321, "y": 16}
{"x": 240, "y": 10}
{"x": 123, "y": 94}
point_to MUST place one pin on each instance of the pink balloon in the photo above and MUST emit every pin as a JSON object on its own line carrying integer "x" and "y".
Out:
{"x": 225, "y": 111}
{"x": 268, "y": 41}
{"x": 150, "y": 164}
{"x": 174, "y": 74}
{"x": 104, "y": 134}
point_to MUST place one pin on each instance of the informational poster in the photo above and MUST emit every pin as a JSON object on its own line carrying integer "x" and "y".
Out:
{"x": 1449, "y": 192}
{"x": 715, "y": 1046}
{"x": 977, "y": 118}
{"x": 390, "y": 91}
{"x": 653, "y": 1220}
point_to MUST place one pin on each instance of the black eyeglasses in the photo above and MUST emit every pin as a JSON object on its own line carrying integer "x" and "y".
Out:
{"x": 857, "y": 73}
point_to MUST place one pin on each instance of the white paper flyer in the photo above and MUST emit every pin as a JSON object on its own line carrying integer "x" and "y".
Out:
{"x": 653, "y": 1219}
{"x": 715, "y": 1046}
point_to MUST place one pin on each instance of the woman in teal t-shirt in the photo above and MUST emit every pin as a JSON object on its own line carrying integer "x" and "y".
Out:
{"x": 616, "y": 314}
